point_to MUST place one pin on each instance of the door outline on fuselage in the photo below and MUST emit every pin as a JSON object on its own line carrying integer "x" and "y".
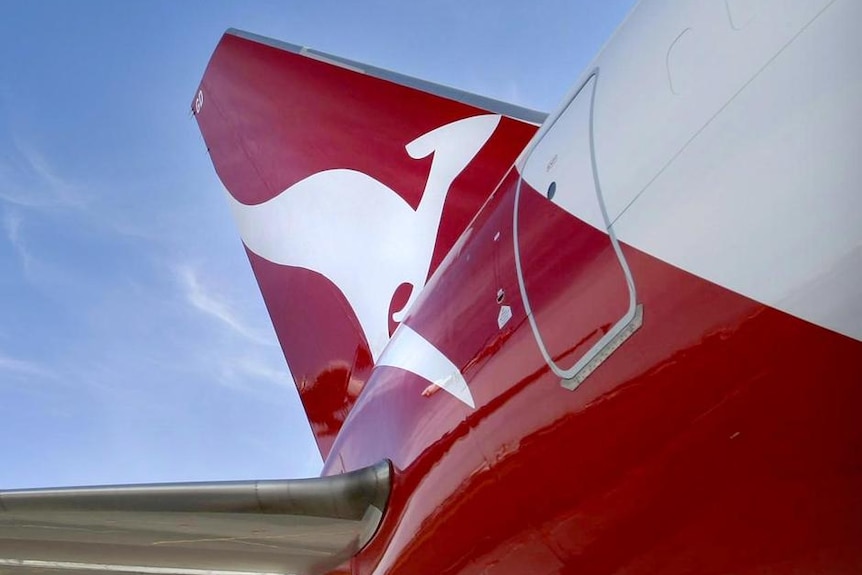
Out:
{"x": 633, "y": 318}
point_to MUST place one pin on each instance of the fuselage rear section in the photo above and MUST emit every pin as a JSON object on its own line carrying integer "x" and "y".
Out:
{"x": 656, "y": 314}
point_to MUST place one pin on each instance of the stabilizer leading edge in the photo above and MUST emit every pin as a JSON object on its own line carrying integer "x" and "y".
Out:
{"x": 301, "y": 526}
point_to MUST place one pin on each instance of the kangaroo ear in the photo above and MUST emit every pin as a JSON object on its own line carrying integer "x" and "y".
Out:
{"x": 470, "y": 142}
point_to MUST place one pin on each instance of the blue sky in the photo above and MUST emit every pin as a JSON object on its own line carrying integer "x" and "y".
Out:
{"x": 134, "y": 345}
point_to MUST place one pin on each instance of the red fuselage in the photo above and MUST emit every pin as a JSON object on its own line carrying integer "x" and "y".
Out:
{"x": 704, "y": 445}
{"x": 723, "y": 436}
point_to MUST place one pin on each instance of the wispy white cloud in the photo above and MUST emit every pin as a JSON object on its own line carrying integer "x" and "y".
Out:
{"x": 28, "y": 180}
{"x": 249, "y": 361}
{"x": 12, "y": 223}
{"x": 25, "y": 368}
{"x": 209, "y": 303}
{"x": 245, "y": 368}
{"x": 12, "y": 226}
{"x": 37, "y": 267}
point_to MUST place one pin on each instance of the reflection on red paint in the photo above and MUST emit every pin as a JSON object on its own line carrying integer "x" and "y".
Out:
{"x": 701, "y": 446}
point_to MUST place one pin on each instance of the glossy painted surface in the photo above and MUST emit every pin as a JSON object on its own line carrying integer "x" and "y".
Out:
{"x": 700, "y": 446}
{"x": 281, "y": 125}
{"x": 723, "y": 435}
{"x": 721, "y": 438}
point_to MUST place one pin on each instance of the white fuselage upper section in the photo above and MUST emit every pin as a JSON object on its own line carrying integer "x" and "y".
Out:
{"x": 727, "y": 144}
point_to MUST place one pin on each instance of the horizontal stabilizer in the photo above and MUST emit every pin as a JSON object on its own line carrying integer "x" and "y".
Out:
{"x": 302, "y": 526}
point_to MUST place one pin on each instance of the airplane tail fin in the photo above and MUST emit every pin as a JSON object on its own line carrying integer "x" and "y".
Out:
{"x": 349, "y": 184}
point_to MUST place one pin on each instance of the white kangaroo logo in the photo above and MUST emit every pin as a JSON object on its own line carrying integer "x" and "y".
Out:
{"x": 359, "y": 233}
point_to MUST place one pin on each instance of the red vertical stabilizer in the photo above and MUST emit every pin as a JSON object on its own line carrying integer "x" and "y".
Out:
{"x": 350, "y": 185}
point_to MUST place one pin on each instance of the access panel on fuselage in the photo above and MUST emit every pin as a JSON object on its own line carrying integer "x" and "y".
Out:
{"x": 573, "y": 277}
